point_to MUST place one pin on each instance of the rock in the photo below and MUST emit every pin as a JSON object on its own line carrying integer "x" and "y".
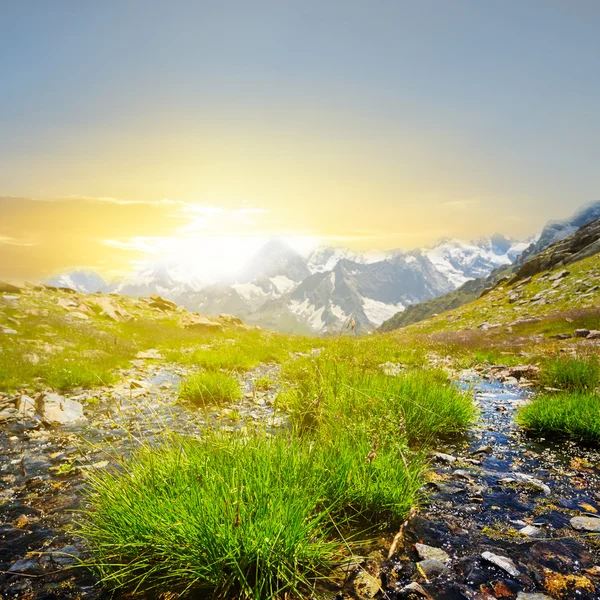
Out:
{"x": 9, "y": 288}
{"x": 591, "y": 524}
{"x": 461, "y": 474}
{"x": 531, "y": 531}
{"x": 560, "y": 275}
{"x": 230, "y": 319}
{"x": 79, "y": 315}
{"x": 57, "y": 410}
{"x": 204, "y": 325}
{"x": 26, "y": 407}
{"x": 483, "y": 450}
{"x": 527, "y": 481}
{"x": 66, "y": 556}
{"x": 8, "y": 331}
{"x": 446, "y": 458}
{"x": 536, "y": 596}
{"x": 562, "y": 336}
{"x": 501, "y": 562}
{"x": 593, "y": 335}
{"x": 8, "y": 413}
{"x": 582, "y": 333}
{"x": 431, "y": 568}
{"x": 366, "y": 586}
{"x": 426, "y": 552}
{"x": 149, "y": 354}
{"x": 25, "y": 565}
{"x": 111, "y": 310}
{"x": 162, "y": 304}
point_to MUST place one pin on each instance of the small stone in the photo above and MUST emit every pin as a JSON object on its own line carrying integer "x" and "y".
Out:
{"x": 593, "y": 335}
{"x": 426, "y": 552}
{"x": 526, "y": 481}
{"x": 431, "y": 568}
{"x": 366, "y": 586}
{"x": 446, "y": 458}
{"x": 461, "y": 474}
{"x": 506, "y": 564}
{"x": 582, "y": 333}
{"x": 591, "y": 524}
{"x": 483, "y": 450}
{"x": 531, "y": 531}
{"x": 25, "y": 565}
{"x": 26, "y": 407}
{"x": 536, "y": 596}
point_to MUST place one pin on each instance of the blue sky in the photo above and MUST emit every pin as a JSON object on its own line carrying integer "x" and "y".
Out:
{"x": 440, "y": 118}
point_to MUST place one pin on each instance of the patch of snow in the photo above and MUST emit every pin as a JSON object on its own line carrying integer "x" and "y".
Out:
{"x": 377, "y": 312}
{"x": 283, "y": 284}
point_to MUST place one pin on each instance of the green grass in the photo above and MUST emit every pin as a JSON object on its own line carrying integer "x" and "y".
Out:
{"x": 332, "y": 395}
{"x": 263, "y": 383}
{"x": 574, "y": 416}
{"x": 207, "y": 388}
{"x": 256, "y": 518}
{"x": 571, "y": 373}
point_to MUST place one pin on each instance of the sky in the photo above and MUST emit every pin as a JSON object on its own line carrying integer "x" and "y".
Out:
{"x": 131, "y": 130}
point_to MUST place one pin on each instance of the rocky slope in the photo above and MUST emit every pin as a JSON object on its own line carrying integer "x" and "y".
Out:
{"x": 471, "y": 290}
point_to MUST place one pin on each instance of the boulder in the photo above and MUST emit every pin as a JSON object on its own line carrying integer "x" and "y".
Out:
{"x": 593, "y": 335}
{"x": 112, "y": 310}
{"x": 57, "y": 410}
{"x": 230, "y": 320}
{"x": 431, "y": 568}
{"x": 204, "y": 325}
{"x": 162, "y": 304}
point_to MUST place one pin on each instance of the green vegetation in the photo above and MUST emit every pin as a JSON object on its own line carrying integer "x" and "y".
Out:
{"x": 572, "y": 373}
{"x": 330, "y": 396}
{"x": 574, "y": 416}
{"x": 253, "y": 518}
{"x": 263, "y": 383}
{"x": 262, "y": 517}
{"x": 206, "y": 388}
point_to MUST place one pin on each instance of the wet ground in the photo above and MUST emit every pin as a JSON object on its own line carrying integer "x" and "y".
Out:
{"x": 499, "y": 492}
{"x": 42, "y": 469}
{"x": 495, "y": 491}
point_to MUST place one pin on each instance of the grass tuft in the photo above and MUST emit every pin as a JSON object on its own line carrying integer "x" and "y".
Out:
{"x": 572, "y": 373}
{"x": 573, "y": 416}
{"x": 207, "y": 388}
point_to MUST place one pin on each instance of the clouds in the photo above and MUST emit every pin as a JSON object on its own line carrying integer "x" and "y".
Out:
{"x": 41, "y": 236}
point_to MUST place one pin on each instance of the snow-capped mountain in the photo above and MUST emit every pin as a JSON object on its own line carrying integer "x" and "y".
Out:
{"x": 325, "y": 258}
{"x": 460, "y": 261}
{"x": 165, "y": 279}
{"x": 86, "y": 282}
{"x": 280, "y": 288}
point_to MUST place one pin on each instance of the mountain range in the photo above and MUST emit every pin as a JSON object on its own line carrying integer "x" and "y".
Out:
{"x": 318, "y": 293}
{"x": 553, "y": 232}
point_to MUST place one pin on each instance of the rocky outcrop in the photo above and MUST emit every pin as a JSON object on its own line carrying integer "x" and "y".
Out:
{"x": 583, "y": 243}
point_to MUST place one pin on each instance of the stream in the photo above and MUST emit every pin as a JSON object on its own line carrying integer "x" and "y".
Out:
{"x": 493, "y": 491}
{"x": 497, "y": 491}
